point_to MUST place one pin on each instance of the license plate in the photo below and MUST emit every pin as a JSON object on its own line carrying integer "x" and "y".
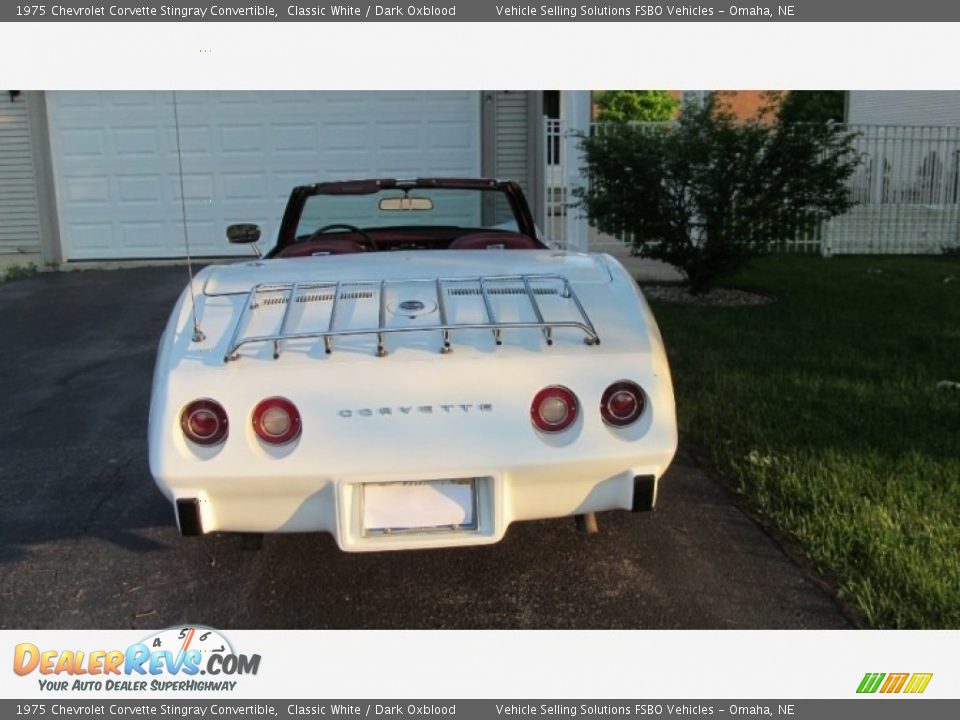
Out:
{"x": 429, "y": 506}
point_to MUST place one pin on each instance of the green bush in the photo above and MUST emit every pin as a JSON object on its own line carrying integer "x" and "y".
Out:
{"x": 634, "y": 105}
{"x": 708, "y": 192}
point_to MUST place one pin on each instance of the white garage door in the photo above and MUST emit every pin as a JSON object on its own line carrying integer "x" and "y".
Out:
{"x": 118, "y": 180}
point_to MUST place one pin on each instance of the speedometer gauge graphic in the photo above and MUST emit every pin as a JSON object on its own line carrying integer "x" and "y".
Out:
{"x": 183, "y": 638}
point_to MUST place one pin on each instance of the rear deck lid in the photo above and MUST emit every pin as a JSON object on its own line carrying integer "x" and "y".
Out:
{"x": 578, "y": 268}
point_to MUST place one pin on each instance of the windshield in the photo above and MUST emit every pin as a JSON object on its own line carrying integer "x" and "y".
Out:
{"x": 418, "y": 207}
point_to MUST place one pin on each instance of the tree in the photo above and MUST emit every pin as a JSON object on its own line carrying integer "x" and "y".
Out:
{"x": 812, "y": 106}
{"x": 635, "y": 105}
{"x": 709, "y": 192}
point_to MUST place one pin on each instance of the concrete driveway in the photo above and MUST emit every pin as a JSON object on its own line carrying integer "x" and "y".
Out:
{"x": 86, "y": 540}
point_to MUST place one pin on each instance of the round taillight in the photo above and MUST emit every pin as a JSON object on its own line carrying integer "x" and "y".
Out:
{"x": 622, "y": 403}
{"x": 276, "y": 421}
{"x": 553, "y": 409}
{"x": 204, "y": 422}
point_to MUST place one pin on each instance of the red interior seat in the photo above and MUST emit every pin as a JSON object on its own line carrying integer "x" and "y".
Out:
{"x": 495, "y": 241}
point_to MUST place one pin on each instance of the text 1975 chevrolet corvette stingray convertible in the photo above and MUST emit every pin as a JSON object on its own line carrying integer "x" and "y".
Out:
{"x": 402, "y": 374}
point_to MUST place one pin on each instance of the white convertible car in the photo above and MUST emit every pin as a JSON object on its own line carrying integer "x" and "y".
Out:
{"x": 402, "y": 374}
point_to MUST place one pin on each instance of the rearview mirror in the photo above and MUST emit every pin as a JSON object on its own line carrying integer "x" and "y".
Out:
{"x": 406, "y": 203}
{"x": 243, "y": 233}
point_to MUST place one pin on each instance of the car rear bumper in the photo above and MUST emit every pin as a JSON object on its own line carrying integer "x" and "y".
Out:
{"x": 336, "y": 506}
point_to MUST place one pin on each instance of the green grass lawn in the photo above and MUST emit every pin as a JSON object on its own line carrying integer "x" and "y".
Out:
{"x": 823, "y": 408}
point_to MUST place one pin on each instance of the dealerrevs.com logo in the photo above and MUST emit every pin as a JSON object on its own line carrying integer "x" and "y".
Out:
{"x": 892, "y": 683}
{"x": 176, "y": 659}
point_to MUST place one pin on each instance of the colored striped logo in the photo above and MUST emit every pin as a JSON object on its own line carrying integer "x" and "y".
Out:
{"x": 894, "y": 683}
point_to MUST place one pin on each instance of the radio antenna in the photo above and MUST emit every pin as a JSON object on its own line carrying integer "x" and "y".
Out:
{"x": 198, "y": 335}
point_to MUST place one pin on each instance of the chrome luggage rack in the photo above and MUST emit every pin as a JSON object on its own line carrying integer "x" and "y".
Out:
{"x": 335, "y": 291}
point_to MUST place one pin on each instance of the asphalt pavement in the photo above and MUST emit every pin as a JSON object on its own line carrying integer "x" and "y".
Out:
{"x": 87, "y": 541}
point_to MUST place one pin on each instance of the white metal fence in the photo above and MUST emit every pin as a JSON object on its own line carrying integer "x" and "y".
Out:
{"x": 906, "y": 189}
{"x": 558, "y": 199}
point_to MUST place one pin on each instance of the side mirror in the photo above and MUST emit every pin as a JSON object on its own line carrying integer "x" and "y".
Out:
{"x": 243, "y": 233}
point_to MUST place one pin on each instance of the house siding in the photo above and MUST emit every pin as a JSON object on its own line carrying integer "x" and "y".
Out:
{"x": 904, "y": 107}
{"x": 19, "y": 214}
{"x": 512, "y": 141}
{"x": 513, "y": 116}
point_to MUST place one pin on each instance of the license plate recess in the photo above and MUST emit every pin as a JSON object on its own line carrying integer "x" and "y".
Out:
{"x": 427, "y": 506}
